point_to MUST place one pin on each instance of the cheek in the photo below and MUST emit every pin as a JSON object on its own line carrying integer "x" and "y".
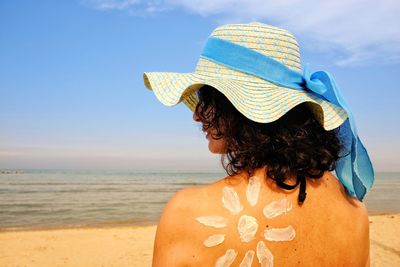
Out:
{"x": 217, "y": 146}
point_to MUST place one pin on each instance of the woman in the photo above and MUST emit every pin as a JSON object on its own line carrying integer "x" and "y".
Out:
{"x": 280, "y": 133}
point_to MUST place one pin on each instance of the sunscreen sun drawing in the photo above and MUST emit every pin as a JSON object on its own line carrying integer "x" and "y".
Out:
{"x": 247, "y": 226}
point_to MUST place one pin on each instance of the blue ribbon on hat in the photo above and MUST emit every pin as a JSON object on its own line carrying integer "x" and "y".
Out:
{"x": 354, "y": 170}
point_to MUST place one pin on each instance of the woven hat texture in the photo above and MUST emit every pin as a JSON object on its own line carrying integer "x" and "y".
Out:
{"x": 256, "y": 98}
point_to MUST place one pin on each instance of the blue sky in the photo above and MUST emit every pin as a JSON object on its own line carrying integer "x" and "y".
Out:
{"x": 71, "y": 87}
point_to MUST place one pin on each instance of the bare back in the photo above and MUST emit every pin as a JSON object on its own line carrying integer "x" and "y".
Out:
{"x": 225, "y": 223}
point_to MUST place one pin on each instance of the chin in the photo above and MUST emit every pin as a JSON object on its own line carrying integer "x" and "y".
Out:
{"x": 215, "y": 148}
{"x": 212, "y": 150}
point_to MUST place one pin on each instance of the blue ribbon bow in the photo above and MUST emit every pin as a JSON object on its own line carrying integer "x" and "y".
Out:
{"x": 312, "y": 82}
{"x": 354, "y": 169}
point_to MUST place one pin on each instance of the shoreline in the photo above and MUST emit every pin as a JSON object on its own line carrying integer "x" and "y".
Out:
{"x": 102, "y": 225}
{"x": 113, "y": 225}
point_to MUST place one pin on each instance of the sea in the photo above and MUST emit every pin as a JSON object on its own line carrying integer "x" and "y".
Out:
{"x": 35, "y": 199}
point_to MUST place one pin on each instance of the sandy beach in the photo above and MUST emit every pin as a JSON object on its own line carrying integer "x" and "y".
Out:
{"x": 132, "y": 246}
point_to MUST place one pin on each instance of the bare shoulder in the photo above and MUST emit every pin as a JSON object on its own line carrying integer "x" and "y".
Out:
{"x": 177, "y": 228}
{"x": 173, "y": 230}
{"x": 329, "y": 219}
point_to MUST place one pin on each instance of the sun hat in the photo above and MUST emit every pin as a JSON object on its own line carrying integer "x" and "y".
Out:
{"x": 258, "y": 68}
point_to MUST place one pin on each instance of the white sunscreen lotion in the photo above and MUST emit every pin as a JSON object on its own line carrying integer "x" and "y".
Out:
{"x": 253, "y": 190}
{"x": 214, "y": 240}
{"x": 264, "y": 255}
{"x": 247, "y": 228}
{"x": 213, "y": 221}
{"x": 247, "y": 259}
{"x": 227, "y": 259}
{"x": 280, "y": 234}
{"x": 230, "y": 200}
{"x": 276, "y": 208}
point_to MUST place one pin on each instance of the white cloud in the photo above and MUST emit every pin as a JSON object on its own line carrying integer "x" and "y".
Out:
{"x": 111, "y": 4}
{"x": 364, "y": 31}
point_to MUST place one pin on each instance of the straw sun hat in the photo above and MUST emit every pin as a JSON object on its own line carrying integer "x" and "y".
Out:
{"x": 257, "y": 67}
{"x": 258, "y": 99}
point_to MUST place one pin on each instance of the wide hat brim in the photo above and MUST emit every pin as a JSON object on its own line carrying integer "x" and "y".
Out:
{"x": 257, "y": 99}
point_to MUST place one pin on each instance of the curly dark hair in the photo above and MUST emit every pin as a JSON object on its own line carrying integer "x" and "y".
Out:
{"x": 295, "y": 145}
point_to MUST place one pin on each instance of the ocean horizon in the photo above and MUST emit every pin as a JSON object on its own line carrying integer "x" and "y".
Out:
{"x": 77, "y": 198}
